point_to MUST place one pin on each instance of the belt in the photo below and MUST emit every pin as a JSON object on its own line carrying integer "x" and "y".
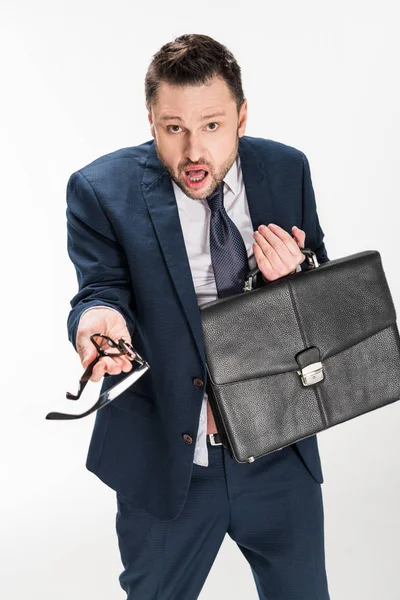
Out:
{"x": 214, "y": 439}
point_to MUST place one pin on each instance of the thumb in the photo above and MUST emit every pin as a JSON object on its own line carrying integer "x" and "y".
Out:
{"x": 299, "y": 236}
{"x": 87, "y": 353}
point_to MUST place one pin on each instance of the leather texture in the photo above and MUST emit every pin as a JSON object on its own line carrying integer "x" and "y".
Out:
{"x": 340, "y": 313}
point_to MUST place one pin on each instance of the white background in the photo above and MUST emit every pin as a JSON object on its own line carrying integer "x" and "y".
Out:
{"x": 322, "y": 77}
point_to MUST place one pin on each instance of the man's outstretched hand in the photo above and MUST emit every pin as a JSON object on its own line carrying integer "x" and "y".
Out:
{"x": 277, "y": 253}
{"x": 112, "y": 324}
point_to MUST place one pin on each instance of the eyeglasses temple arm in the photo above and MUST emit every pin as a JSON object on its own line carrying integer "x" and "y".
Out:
{"x": 84, "y": 379}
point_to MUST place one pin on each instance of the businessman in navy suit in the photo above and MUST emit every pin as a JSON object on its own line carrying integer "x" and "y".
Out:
{"x": 139, "y": 236}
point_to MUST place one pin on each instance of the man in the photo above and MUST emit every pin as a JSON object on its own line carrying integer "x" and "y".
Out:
{"x": 154, "y": 231}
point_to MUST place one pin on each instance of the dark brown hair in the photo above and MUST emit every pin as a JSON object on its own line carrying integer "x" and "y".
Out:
{"x": 193, "y": 59}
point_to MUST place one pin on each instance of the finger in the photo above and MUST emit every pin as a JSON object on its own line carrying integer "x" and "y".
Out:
{"x": 284, "y": 237}
{"x": 112, "y": 365}
{"x": 127, "y": 366}
{"x": 123, "y": 362}
{"x": 87, "y": 352}
{"x": 263, "y": 262}
{"x": 299, "y": 236}
{"x": 272, "y": 268}
{"x": 105, "y": 365}
{"x": 274, "y": 249}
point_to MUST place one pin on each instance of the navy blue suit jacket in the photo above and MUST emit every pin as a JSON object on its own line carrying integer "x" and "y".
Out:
{"x": 126, "y": 242}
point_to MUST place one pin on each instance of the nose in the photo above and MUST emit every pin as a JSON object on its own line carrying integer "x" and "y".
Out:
{"x": 194, "y": 150}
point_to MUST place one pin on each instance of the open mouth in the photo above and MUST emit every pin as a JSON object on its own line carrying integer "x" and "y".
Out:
{"x": 195, "y": 178}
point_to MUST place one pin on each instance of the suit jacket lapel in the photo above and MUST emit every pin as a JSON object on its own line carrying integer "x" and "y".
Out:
{"x": 161, "y": 203}
{"x": 255, "y": 183}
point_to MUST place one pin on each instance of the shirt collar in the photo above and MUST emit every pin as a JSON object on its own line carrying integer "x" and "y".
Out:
{"x": 231, "y": 178}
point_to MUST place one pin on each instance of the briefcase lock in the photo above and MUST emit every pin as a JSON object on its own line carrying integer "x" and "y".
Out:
{"x": 309, "y": 361}
{"x": 311, "y": 373}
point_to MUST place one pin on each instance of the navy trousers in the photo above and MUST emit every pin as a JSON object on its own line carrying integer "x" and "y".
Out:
{"x": 272, "y": 508}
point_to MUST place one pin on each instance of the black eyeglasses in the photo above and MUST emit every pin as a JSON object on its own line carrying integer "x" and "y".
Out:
{"x": 122, "y": 348}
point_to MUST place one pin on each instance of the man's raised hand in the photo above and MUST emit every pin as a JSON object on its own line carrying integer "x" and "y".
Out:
{"x": 277, "y": 253}
{"x": 111, "y": 323}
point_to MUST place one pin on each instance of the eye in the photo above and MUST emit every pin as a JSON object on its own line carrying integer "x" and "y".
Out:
{"x": 168, "y": 126}
{"x": 212, "y": 123}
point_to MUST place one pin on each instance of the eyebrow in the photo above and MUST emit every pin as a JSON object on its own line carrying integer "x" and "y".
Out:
{"x": 218, "y": 114}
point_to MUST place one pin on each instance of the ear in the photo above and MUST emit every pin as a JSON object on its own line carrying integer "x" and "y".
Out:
{"x": 151, "y": 122}
{"x": 242, "y": 118}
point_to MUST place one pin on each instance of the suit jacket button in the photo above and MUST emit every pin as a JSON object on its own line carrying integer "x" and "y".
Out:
{"x": 188, "y": 439}
{"x": 198, "y": 382}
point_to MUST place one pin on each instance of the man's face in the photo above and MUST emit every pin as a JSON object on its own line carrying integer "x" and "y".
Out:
{"x": 197, "y": 126}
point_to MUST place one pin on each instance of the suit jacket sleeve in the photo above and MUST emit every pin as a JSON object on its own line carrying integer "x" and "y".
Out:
{"x": 310, "y": 223}
{"x": 99, "y": 260}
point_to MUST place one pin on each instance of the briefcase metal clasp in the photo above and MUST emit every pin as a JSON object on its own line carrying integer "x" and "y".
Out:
{"x": 311, "y": 373}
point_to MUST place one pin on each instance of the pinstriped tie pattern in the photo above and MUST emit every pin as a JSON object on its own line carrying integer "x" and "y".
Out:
{"x": 228, "y": 250}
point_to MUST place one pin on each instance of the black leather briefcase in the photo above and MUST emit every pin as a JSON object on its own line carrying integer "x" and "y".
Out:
{"x": 295, "y": 356}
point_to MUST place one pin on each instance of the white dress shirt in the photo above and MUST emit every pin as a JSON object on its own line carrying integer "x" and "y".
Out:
{"x": 195, "y": 223}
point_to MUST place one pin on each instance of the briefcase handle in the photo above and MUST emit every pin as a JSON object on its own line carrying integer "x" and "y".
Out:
{"x": 254, "y": 277}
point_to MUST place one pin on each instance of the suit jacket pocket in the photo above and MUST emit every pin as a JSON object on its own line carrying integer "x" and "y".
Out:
{"x": 134, "y": 402}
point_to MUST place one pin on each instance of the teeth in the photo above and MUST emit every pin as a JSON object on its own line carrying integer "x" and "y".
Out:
{"x": 196, "y": 179}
